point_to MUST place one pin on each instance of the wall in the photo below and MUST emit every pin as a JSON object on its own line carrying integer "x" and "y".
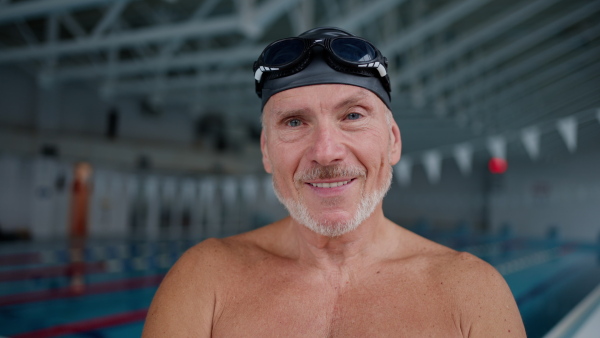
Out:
{"x": 18, "y": 95}
{"x": 455, "y": 199}
{"x": 536, "y": 195}
{"x": 170, "y": 126}
{"x": 79, "y": 110}
{"x": 564, "y": 193}
{"x": 561, "y": 192}
{"x": 533, "y": 197}
{"x": 35, "y": 195}
{"x": 74, "y": 118}
{"x": 15, "y": 191}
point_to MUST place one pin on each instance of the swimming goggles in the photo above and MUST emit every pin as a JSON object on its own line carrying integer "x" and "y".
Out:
{"x": 346, "y": 54}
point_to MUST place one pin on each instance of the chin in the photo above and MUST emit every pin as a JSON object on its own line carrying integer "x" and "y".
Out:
{"x": 331, "y": 226}
{"x": 338, "y": 223}
{"x": 335, "y": 224}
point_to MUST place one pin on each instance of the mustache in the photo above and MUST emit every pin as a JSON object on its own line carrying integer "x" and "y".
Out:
{"x": 330, "y": 172}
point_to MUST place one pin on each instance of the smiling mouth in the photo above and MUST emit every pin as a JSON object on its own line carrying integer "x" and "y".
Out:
{"x": 331, "y": 184}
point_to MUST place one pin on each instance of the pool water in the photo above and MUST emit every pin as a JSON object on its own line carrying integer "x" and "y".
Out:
{"x": 104, "y": 288}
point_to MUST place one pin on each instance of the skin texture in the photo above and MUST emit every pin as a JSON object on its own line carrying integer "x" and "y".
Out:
{"x": 286, "y": 280}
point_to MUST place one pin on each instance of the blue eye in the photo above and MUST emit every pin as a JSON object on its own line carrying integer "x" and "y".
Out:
{"x": 294, "y": 123}
{"x": 353, "y": 116}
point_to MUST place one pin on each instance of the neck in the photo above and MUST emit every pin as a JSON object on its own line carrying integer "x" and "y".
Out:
{"x": 370, "y": 241}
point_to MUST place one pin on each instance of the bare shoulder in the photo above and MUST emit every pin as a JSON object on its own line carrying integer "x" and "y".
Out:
{"x": 479, "y": 296}
{"x": 187, "y": 301}
{"x": 483, "y": 299}
{"x": 184, "y": 303}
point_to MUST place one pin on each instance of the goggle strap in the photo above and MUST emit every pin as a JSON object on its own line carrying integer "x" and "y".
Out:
{"x": 258, "y": 75}
{"x": 367, "y": 69}
{"x": 259, "y": 72}
{"x": 380, "y": 68}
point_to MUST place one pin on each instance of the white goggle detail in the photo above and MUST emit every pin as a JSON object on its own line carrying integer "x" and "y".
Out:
{"x": 259, "y": 72}
{"x": 378, "y": 65}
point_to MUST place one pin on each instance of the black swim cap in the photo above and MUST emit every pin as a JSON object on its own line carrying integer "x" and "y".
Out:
{"x": 319, "y": 71}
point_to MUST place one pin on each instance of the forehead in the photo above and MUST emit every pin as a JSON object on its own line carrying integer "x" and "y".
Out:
{"x": 323, "y": 96}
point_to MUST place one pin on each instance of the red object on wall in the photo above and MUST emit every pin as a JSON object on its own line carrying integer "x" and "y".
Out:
{"x": 80, "y": 195}
{"x": 497, "y": 165}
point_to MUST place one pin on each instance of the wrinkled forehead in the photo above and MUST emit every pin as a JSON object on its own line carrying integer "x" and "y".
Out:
{"x": 322, "y": 96}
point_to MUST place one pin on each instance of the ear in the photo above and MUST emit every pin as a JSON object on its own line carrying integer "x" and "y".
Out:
{"x": 396, "y": 143}
{"x": 265, "y": 154}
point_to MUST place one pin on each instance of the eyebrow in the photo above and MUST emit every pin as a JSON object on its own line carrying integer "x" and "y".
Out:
{"x": 352, "y": 100}
{"x": 283, "y": 113}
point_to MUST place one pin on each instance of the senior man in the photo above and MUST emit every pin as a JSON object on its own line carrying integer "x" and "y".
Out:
{"x": 336, "y": 266}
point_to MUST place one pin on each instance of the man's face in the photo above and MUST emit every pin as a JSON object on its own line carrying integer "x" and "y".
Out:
{"x": 330, "y": 149}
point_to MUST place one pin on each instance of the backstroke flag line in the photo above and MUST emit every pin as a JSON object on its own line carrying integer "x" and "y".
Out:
{"x": 531, "y": 140}
{"x": 567, "y": 128}
{"x": 463, "y": 154}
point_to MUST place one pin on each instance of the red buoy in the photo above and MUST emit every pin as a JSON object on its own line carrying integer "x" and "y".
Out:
{"x": 497, "y": 165}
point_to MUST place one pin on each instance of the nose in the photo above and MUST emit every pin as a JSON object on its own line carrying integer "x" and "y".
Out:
{"x": 327, "y": 147}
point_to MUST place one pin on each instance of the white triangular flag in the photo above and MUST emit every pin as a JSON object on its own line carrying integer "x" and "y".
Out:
{"x": 463, "y": 154}
{"x": 567, "y": 128}
{"x": 432, "y": 160}
{"x": 497, "y": 146}
{"x": 531, "y": 140}
{"x": 403, "y": 170}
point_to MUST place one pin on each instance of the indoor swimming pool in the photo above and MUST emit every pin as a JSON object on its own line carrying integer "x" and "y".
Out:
{"x": 103, "y": 288}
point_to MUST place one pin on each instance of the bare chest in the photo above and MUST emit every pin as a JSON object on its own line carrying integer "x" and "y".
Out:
{"x": 291, "y": 307}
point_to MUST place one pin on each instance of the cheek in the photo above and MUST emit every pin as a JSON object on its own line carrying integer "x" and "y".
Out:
{"x": 375, "y": 146}
{"x": 284, "y": 161}
{"x": 374, "y": 152}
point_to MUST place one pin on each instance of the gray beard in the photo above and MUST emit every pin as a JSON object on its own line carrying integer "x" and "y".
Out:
{"x": 300, "y": 213}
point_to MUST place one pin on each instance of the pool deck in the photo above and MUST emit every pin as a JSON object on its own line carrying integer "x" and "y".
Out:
{"x": 583, "y": 321}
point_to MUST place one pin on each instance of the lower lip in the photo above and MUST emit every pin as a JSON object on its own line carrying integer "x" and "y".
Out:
{"x": 331, "y": 191}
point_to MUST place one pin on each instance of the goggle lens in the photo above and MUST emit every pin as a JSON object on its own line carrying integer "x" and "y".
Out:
{"x": 353, "y": 50}
{"x": 283, "y": 52}
{"x": 349, "y": 54}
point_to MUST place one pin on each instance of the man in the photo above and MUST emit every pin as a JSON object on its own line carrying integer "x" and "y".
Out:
{"x": 337, "y": 266}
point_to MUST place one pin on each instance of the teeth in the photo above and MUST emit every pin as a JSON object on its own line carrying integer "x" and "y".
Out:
{"x": 329, "y": 185}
